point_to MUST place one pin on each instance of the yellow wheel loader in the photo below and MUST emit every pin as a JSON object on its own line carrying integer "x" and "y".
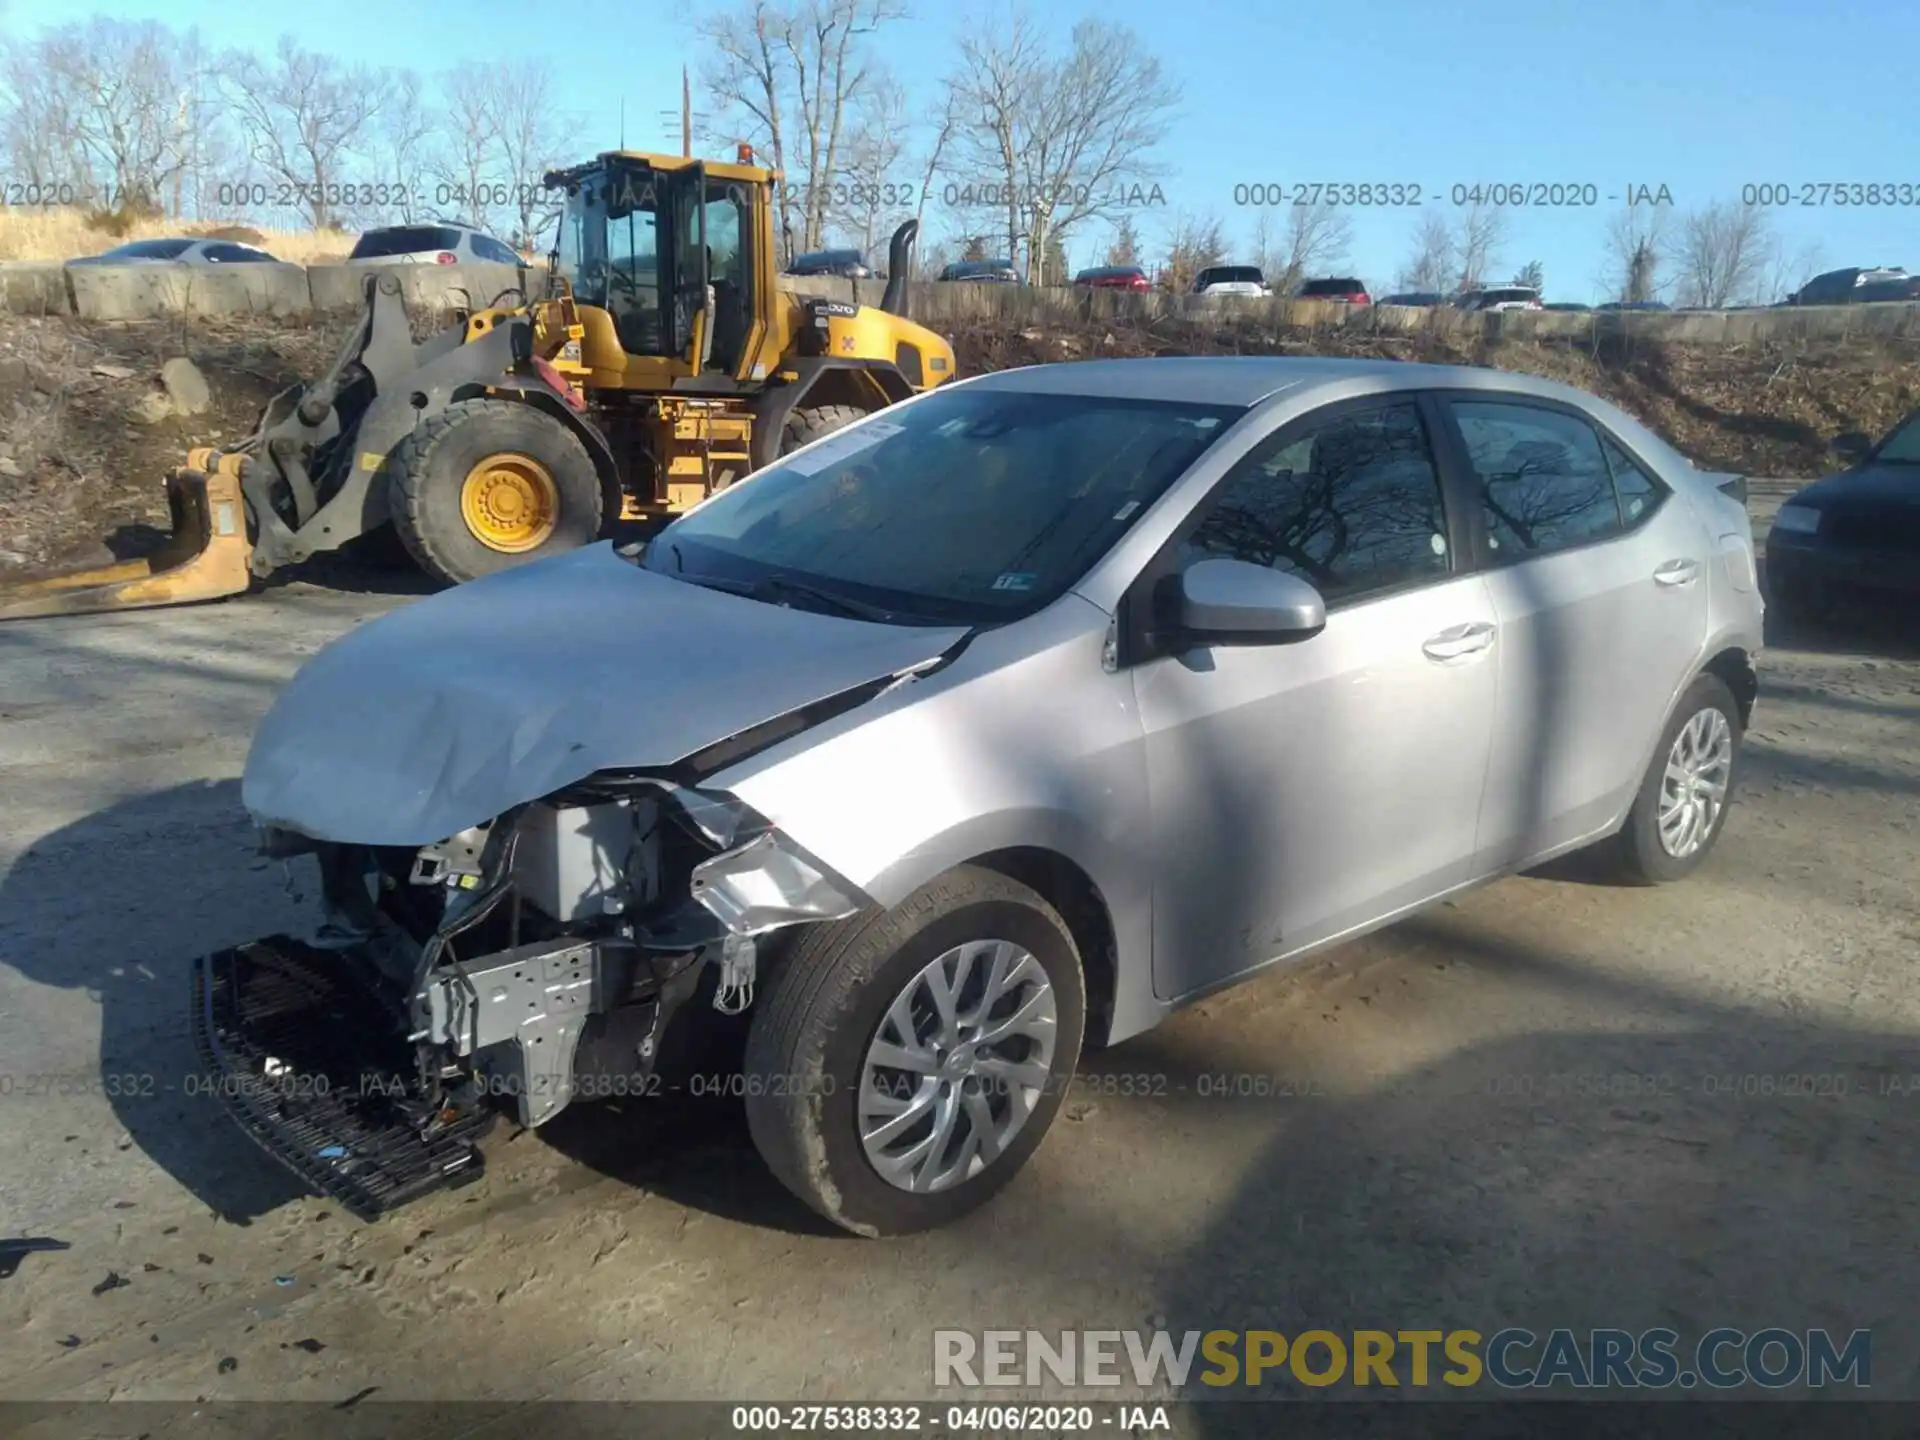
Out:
{"x": 664, "y": 363}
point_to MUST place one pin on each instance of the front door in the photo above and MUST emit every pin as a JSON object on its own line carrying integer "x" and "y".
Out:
{"x": 1300, "y": 791}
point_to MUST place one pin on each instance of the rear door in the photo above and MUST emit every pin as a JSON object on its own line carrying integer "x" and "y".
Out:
{"x": 1598, "y": 578}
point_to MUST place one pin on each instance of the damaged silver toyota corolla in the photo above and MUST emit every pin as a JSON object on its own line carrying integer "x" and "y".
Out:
{"x": 1010, "y": 717}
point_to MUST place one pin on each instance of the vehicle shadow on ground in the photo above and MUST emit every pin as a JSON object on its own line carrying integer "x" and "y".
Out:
{"x": 118, "y": 904}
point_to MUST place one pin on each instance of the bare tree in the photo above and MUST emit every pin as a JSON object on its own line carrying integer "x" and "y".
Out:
{"x": 1723, "y": 250}
{"x": 528, "y": 130}
{"x": 1316, "y": 237}
{"x": 1066, "y": 139}
{"x": 1431, "y": 266}
{"x": 790, "y": 73}
{"x": 302, "y": 113}
{"x": 1124, "y": 248}
{"x": 1636, "y": 247}
{"x": 1785, "y": 271}
{"x": 407, "y": 135}
{"x": 1533, "y": 275}
{"x": 937, "y": 153}
{"x": 126, "y": 81}
{"x": 1481, "y": 231}
{"x": 469, "y": 152}
{"x": 44, "y": 151}
{"x": 869, "y": 198}
{"x": 1193, "y": 243}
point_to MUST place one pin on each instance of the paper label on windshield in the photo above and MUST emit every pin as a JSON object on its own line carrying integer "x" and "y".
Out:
{"x": 836, "y": 448}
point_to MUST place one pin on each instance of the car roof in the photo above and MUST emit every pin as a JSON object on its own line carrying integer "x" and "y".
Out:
{"x": 1246, "y": 380}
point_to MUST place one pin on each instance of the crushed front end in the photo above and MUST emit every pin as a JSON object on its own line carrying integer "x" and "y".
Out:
{"x": 549, "y": 954}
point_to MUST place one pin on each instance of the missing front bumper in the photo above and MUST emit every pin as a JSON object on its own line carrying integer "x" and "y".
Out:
{"x": 306, "y": 1056}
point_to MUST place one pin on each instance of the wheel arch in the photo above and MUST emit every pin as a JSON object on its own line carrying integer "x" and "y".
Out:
{"x": 1073, "y": 893}
{"x": 821, "y": 380}
{"x": 1734, "y": 666}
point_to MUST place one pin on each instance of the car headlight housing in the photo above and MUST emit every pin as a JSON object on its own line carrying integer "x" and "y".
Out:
{"x": 1797, "y": 519}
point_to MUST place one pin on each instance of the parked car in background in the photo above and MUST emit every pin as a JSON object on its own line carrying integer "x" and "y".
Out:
{"x": 1634, "y": 305}
{"x": 1113, "y": 277}
{"x": 841, "y": 264}
{"x": 1855, "y": 530}
{"x": 1415, "y": 299}
{"x": 1231, "y": 280}
{"x": 440, "y": 243}
{"x": 1501, "y": 297}
{"x": 1568, "y": 306}
{"x": 1143, "y": 676}
{"x": 1344, "y": 290}
{"x": 1857, "y": 286}
{"x": 183, "y": 250}
{"x": 982, "y": 272}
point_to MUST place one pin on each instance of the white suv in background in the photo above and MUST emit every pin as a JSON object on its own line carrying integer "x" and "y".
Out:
{"x": 1504, "y": 297}
{"x": 437, "y": 243}
{"x": 1231, "y": 280}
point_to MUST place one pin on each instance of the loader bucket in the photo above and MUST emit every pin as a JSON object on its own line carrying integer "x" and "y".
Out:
{"x": 204, "y": 558}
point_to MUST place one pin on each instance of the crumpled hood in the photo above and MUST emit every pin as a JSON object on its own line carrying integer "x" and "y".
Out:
{"x": 444, "y": 714}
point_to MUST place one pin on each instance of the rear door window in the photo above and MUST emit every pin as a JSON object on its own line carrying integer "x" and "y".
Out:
{"x": 405, "y": 240}
{"x": 1544, "y": 480}
{"x": 485, "y": 247}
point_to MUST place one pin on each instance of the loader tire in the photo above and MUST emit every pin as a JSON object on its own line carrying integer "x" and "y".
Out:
{"x": 489, "y": 484}
{"x": 805, "y": 426}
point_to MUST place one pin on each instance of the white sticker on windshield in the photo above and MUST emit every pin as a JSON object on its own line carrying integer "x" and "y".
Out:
{"x": 836, "y": 448}
{"x": 1015, "y": 580}
{"x": 1439, "y": 543}
{"x": 1127, "y": 509}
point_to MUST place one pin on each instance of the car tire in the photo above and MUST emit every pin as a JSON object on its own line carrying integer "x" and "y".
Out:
{"x": 811, "y": 1075}
{"x": 1709, "y": 716}
{"x": 429, "y": 471}
{"x": 805, "y": 426}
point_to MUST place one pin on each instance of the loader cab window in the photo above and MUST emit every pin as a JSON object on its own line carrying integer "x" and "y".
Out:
{"x": 729, "y": 224}
{"x": 609, "y": 250}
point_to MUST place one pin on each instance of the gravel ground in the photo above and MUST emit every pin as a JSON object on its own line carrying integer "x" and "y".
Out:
{"x": 1554, "y": 1102}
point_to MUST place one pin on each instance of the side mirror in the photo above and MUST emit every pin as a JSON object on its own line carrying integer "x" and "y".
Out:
{"x": 1851, "y": 445}
{"x": 1235, "y": 602}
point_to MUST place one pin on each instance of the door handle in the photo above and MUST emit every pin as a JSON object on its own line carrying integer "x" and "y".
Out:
{"x": 1677, "y": 572}
{"x": 1459, "y": 641}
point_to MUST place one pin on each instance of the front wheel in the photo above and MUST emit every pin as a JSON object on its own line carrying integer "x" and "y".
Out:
{"x": 486, "y": 484}
{"x": 1682, "y": 805}
{"x": 903, "y": 1066}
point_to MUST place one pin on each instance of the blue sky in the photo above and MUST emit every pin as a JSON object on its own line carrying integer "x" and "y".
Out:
{"x": 1702, "y": 98}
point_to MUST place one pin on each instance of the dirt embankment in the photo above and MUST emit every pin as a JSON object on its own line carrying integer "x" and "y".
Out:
{"x": 81, "y": 458}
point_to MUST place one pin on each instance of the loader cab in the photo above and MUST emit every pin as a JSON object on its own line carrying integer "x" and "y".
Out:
{"x": 677, "y": 254}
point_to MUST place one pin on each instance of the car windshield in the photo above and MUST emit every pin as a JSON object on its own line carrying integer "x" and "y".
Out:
{"x": 1330, "y": 287}
{"x": 1902, "y": 447}
{"x": 405, "y": 240}
{"x": 970, "y": 506}
{"x": 1231, "y": 275}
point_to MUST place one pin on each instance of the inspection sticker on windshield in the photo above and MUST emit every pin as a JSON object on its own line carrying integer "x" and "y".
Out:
{"x": 1015, "y": 580}
{"x": 836, "y": 448}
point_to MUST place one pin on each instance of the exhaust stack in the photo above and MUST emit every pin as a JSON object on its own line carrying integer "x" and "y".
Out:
{"x": 899, "y": 268}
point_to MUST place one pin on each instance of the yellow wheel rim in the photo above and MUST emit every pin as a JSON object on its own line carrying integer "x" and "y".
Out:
{"x": 510, "y": 503}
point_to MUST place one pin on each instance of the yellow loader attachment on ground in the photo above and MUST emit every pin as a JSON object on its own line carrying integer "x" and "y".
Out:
{"x": 205, "y": 556}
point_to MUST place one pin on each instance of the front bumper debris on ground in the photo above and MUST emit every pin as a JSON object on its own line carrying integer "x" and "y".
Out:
{"x": 308, "y": 1061}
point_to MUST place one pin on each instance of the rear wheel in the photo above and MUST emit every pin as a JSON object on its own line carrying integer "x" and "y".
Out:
{"x": 803, "y": 427}
{"x": 903, "y": 1066}
{"x": 488, "y": 484}
{"x": 1682, "y": 804}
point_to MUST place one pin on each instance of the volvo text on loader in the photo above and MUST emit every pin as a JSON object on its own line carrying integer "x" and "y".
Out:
{"x": 665, "y": 362}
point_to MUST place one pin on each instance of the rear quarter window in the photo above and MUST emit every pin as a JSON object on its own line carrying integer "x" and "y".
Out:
{"x": 405, "y": 240}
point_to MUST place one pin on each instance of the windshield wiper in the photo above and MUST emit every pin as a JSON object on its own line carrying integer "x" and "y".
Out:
{"x": 776, "y": 585}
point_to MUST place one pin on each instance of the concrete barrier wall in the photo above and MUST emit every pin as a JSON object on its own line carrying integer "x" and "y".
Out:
{"x": 138, "y": 292}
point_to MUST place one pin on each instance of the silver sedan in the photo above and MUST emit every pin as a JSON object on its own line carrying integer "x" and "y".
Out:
{"x": 1004, "y": 723}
